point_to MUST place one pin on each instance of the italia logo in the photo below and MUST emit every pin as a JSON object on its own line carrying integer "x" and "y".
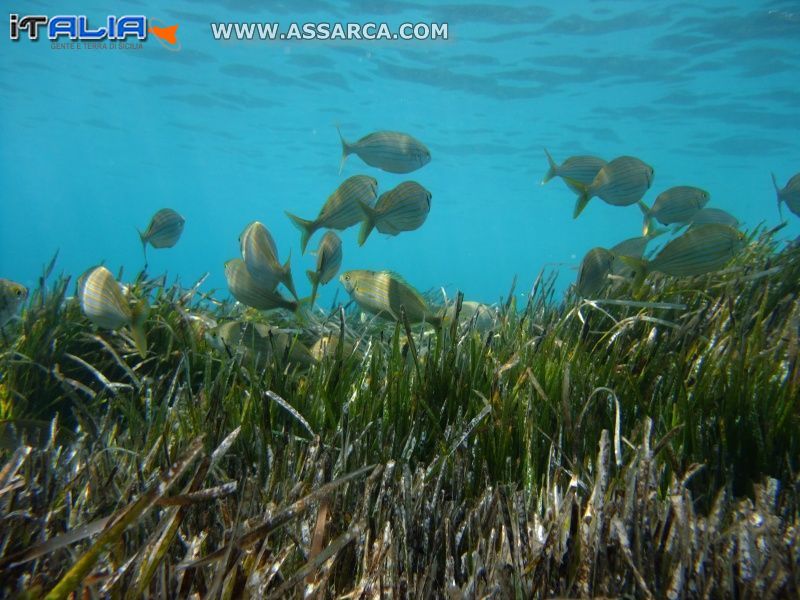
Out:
{"x": 77, "y": 28}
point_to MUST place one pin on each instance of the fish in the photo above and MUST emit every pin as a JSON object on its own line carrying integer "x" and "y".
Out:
{"x": 247, "y": 291}
{"x": 701, "y": 249}
{"x": 165, "y": 33}
{"x": 621, "y": 182}
{"x": 164, "y": 230}
{"x": 676, "y": 205}
{"x": 260, "y": 255}
{"x": 12, "y": 296}
{"x": 594, "y": 271}
{"x": 403, "y": 208}
{"x": 327, "y": 344}
{"x": 482, "y": 316}
{"x": 384, "y": 293}
{"x": 259, "y": 343}
{"x": 329, "y": 260}
{"x": 580, "y": 169}
{"x": 632, "y": 247}
{"x": 104, "y": 304}
{"x": 790, "y": 194}
{"x": 389, "y": 151}
{"x": 341, "y": 210}
{"x": 705, "y": 216}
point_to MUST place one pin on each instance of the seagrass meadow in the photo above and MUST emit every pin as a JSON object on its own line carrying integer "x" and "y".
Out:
{"x": 644, "y": 444}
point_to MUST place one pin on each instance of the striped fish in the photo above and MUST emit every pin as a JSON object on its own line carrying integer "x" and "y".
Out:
{"x": 704, "y": 216}
{"x": 701, "y": 249}
{"x": 387, "y": 150}
{"x": 164, "y": 230}
{"x": 593, "y": 272}
{"x": 403, "y": 208}
{"x": 621, "y": 182}
{"x": 103, "y": 302}
{"x": 259, "y": 343}
{"x": 384, "y": 293}
{"x": 633, "y": 248}
{"x": 329, "y": 260}
{"x": 12, "y": 296}
{"x": 341, "y": 209}
{"x": 790, "y": 194}
{"x": 327, "y": 346}
{"x": 580, "y": 169}
{"x": 245, "y": 289}
{"x": 260, "y": 255}
{"x": 676, "y": 205}
{"x": 482, "y": 317}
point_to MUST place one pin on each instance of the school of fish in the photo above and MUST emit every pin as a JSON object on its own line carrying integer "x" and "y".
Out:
{"x": 706, "y": 240}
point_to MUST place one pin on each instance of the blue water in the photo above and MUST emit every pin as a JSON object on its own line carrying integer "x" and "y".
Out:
{"x": 92, "y": 142}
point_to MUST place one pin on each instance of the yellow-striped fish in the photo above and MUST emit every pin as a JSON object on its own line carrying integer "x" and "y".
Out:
{"x": 247, "y": 291}
{"x": 621, "y": 182}
{"x": 704, "y": 216}
{"x": 12, "y": 296}
{"x": 327, "y": 346}
{"x": 384, "y": 293}
{"x": 790, "y": 194}
{"x": 259, "y": 343}
{"x": 164, "y": 230}
{"x": 481, "y": 316}
{"x": 576, "y": 169}
{"x": 329, "y": 260}
{"x": 403, "y": 208}
{"x": 387, "y": 150}
{"x": 593, "y": 272}
{"x": 260, "y": 255}
{"x": 341, "y": 209}
{"x": 633, "y": 248}
{"x": 700, "y": 250}
{"x": 105, "y": 305}
{"x": 676, "y": 205}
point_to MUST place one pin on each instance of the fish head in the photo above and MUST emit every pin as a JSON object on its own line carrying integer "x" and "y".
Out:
{"x": 348, "y": 280}
{"x": 17, "y": 292}
{"x": 422, "y": 157}
{"x": 651, "y": 173}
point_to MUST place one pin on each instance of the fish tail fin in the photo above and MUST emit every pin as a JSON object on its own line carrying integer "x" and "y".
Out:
{"x": 138, "y": 318}
{"x": 583, "y": 198}
{"x": 306, "y": 228}
{"x": 314, "y": 279}
{"x": 648, "y": 224}
{"x": 346, "y": 150}
{"x": 370, "y": 218}
{"x": 778, "y": 192}
{"x": 143, "y": 238}
{"x": 551, "y": 171}
{"x": 286, "y": 278}
{"x": 654, "y": 232}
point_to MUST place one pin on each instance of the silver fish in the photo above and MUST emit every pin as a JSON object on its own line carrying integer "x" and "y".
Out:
{"x": 676, "y": 205}
{"x": 105, "y": 305}
{"x": 164, "y": 230}
{"x": 341, "y": 209}
{"x": 705, "y": 216}
{"x": 403, "y": 208}
{"x": 260, "y": 255}
{"x": 790, "y": 194}
{"x": 701, "y": 249}
{"x": 329, "y": 260}
{"x": 576, "y": 169}
{"x": 247, "y": 291}
{"x": 387, "y": 150}
{"x": 621, "y": 182}
{"x": 259, "y": 343}
{"x": 593, "y": 272}
{"x": 12, "y": 296}
{"x": 384, "y": 293}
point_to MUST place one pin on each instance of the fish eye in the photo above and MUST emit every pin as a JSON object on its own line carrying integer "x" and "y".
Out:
{"x": 19, "y": 293}
{"x": 347, "y": 277}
